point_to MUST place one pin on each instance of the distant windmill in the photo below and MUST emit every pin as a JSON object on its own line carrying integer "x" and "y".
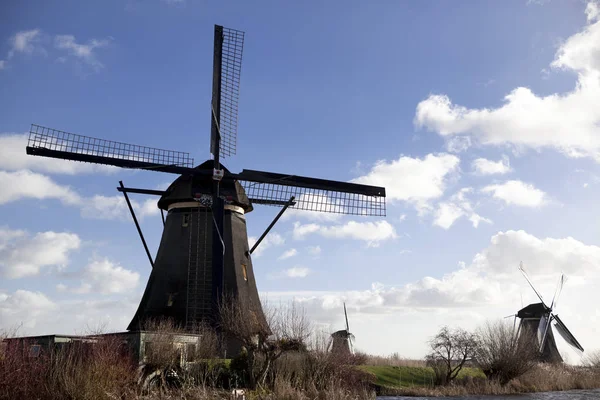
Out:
{"x": 204, "y": 255}
{"x": 536, "y": 321}
{"x": 342, "y": 342}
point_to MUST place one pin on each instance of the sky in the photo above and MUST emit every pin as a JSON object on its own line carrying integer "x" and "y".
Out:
{"x": 481, "y": 119}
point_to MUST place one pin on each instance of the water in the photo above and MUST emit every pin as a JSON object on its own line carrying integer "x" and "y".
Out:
{"x": 568, "y": 395}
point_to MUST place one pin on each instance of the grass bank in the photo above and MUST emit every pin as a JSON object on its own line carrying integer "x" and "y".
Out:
{"x": 418, "y": 381}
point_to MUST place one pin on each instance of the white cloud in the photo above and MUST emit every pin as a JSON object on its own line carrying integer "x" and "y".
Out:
{"x": 2, "y": 64}
{"x": 23, "y": 306}
{"x": 13, "y": 157}
{"x": 314, "y": 250}
{"x": 483, "y": 166}
{"x": 27, "y": 184}
{"x": 517, "y": 193}
{"x": 271, "y": 240}
{"x": 457, "y": 206}
{"x": 22, "y": 255}
{"x": 39, "y": 315}
{"x": 568, "y": 122}
{"x": 106, "y": 277}
{"x": 84, "y": 52}
{"x": 24, "y": 42}
{"x": 413, "y": 180}
{"x": 458, "y": 144}
{"x": 371, "y": 232}
{"x": 297, "y": 272}
{"x": 592, "y": 10}
{"x": 288, "y": 253}
{"x": 300, "y": 230}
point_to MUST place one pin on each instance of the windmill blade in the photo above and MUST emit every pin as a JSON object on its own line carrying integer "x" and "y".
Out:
{"x": 227, "y": 67}
{"x": 566, "y": 334}
{"x": 346, "y": 314}
{"x": 559, "y": 287}
{"x": 314, "y": 194}
{"x": 48, "y": 142}
{"x": 545, "y": 324}
{"x": 522, "y": 269}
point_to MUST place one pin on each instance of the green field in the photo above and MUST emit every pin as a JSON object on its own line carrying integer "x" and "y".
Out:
{"x": 403, "y": 377}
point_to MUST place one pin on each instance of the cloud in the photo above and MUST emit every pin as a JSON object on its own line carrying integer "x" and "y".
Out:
{"x": 371, "y": 232}
{"x": 105, "y": 277}
{"x": 2, "y": 64}
{"x": 297, "y": 272}
{"x": 24, "y": 255}
{"x": 40, "y": 315}
{"x": 517, "y": 193}
{"x": 567, "y": 122}
{"x": 84, "y": 52}
{"x": 413, "y": 180}
{"x": 115, "y": 207}
{"x": 271, "y": 240}
{"x": 288, "y": 253}
{"x": 13, "y": 157}
{"x": 24, "y": 42}
{"x": 27, "y": 184}
{"x": 483, "y": 166}
{"x": 457, "y": 206}
{"x": 314, "y": 250}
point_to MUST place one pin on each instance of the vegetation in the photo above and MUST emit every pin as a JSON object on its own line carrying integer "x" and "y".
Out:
{"x": 501, "y": 355}
{"x": 450, "y": 349}
{"x": 291, "y": 363}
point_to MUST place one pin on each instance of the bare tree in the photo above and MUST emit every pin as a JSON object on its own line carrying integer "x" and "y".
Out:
{"x": 288, "y": 330}
{"x": 450, "y": 349}
{"x": 502, "y": 355}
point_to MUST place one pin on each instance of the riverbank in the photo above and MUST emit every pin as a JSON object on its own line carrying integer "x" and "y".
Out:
{"x": 418, "y": 381}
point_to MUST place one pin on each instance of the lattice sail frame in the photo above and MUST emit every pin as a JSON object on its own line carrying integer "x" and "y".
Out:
{"x": 53, "y": 139}
{"x": 231, "y": 67}
{"x": 319, "y": 200}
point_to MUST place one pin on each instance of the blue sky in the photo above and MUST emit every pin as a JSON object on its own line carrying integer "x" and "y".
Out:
{"x": 480, "y": 118}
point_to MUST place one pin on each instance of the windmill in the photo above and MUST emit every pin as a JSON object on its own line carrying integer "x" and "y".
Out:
{"x": 536, "y": 321}
{"x": 204, "y": 256}
{"x": 342, "y": 342}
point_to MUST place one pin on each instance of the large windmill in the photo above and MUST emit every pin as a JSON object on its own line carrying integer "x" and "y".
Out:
{"x": 536, "y": 321}
{"x": 204, "y": 254}
{"x": 342, "y": 341}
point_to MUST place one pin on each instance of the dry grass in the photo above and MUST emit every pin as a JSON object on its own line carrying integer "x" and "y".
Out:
{"x": 74, "y": 371}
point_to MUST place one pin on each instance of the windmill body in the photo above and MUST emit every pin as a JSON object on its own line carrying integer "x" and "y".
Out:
{"x": 536, "y": 323}
{"x": 204, "y": 255}
{"x": 342, "y": 341}
{"x": 181, "y": 283}
{"x": 534, "y": 319}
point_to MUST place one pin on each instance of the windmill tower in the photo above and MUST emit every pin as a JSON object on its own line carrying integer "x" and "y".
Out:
{"x": 536, "y": 321}
{"x": 204, "y": 255}
{"x": 342, "y": 342}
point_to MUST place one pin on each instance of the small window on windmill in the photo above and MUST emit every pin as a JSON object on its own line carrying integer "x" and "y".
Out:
{"x": 186, "y": 220}
{"x": 34, "y": 350}
{"x": 244, "y": 272}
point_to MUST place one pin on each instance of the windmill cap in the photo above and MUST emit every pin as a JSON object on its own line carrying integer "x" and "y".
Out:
{"x": 535, "y": 310}
{"x": 189, "y": 187}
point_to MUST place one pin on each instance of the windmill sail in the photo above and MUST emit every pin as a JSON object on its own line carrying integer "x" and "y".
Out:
{"x": 566, "y": 334}
{"x": 48, "y": 142}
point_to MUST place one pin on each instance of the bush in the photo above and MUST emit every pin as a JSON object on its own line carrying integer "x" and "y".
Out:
{"x": 501, "y": 355}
